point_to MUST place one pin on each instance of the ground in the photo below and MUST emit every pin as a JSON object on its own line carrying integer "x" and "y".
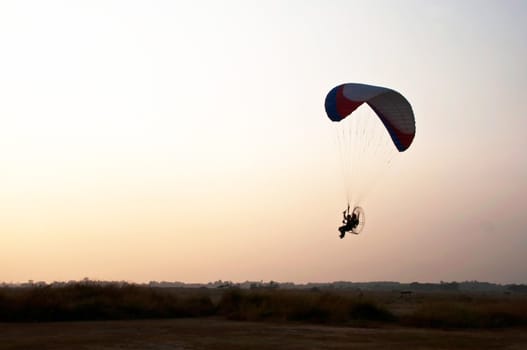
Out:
{"x": 216, "y": 333}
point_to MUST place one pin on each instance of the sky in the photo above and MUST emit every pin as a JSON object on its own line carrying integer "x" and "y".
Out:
{"x": 187, "y": 141}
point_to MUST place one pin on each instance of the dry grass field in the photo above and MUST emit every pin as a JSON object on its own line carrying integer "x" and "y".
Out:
{"x": 93, "y": 316}
{"x": 217, "y": 333}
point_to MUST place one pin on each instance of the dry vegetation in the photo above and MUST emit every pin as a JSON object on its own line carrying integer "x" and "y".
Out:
{"x": 303, "y": 306}
{"x": 122, "y": 316}
{"x": 93, "y": 301}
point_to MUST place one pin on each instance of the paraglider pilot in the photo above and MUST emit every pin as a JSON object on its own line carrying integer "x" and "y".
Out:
{"x": 350, "y": 221}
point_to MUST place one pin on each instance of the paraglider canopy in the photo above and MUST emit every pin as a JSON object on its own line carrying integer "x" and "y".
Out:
{"x": 391, "y": 107}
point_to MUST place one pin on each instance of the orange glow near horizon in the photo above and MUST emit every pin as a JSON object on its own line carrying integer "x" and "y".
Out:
{"x": 184, "y": 143}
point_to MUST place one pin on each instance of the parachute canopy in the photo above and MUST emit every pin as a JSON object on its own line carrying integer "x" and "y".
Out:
{"x": 390, "y": 106}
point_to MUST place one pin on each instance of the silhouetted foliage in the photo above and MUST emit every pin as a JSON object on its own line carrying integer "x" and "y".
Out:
{"x": 469, "y": 314}
{"x": 311, "y": 306}
{"x": 91, "y": 301}
{"x": 518, "y": 288}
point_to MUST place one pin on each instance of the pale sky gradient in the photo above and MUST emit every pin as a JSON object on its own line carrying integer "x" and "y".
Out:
{"x": 187, "y": 140}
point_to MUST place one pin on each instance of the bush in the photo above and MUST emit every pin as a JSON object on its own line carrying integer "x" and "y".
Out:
{"x": 98, "y": 302}
{"x": 298, "y": 306}
{"x": 370, "y": 311}
{"x": 486, "y": 314}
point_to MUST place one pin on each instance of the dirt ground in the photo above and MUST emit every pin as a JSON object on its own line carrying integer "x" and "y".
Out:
{"x": 213, "y": 333}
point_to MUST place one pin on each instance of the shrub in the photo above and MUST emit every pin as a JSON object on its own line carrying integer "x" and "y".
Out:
{"x": 298, "y": 306}
{"x": 98, "y": 302}
{"x": 483, "y": 314}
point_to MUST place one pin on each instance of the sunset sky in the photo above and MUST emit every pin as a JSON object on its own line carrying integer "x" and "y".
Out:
{"x": 187, "y": 140}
